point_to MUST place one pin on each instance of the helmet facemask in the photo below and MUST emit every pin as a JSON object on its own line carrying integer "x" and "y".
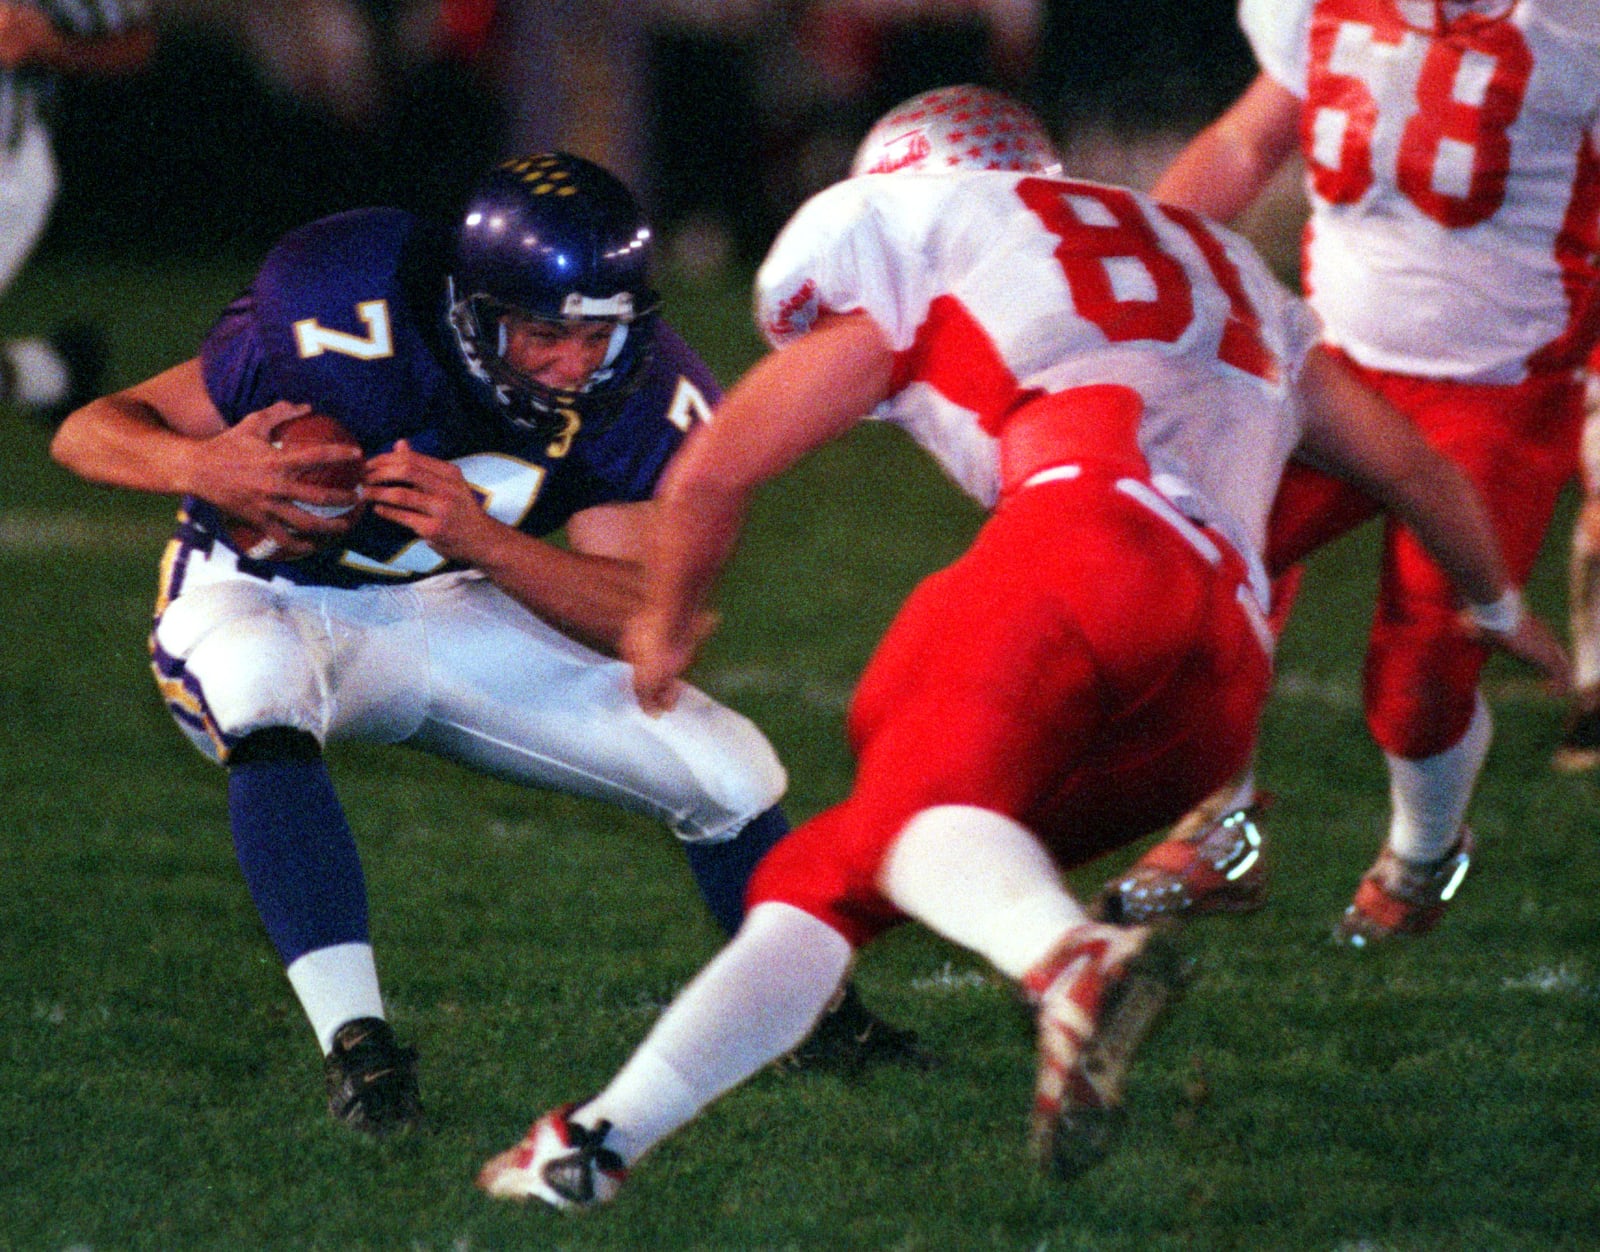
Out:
{"x": 551, "y": 239}
{"x": 1437, "y": 17}
{"x": 478, "y": 323}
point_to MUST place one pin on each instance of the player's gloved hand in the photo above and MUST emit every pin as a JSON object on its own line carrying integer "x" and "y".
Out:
{"x": 248, "y": 477}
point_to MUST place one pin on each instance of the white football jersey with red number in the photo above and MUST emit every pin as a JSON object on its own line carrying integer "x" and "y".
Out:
{"x": 989, "y": 285}
{"x": 1453, "y": 167}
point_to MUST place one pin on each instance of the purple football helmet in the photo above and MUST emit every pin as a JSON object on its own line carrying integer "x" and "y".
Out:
{"x": 957, "y": 128}
{"x": 553, "y": 237}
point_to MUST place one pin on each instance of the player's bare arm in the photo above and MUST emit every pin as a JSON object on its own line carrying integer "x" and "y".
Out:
{"x": 620, "y": 531}
{"x": 1228, "y": 164}
{"x": 1356, "y": 434}
{"x": 165, "y": 436}
{"x": 585, "y": 590}
{"x": 791, "y": 402}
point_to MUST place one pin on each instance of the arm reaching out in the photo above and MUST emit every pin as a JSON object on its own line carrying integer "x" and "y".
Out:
{"x": 1355, "y": 433}
{"x": 1227, "y": 165}
{"x": 791, "y": 402}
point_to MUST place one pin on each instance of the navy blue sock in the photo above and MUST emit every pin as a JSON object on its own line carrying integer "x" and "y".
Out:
{"x": 294, "y": 844}
{"x": 722, "y": 870}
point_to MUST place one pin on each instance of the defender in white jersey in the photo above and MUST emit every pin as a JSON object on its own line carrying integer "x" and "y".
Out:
{"x": 42, "y": 41}
{"x": 1121, "y": 383}
{"x": 1453, "y": 167}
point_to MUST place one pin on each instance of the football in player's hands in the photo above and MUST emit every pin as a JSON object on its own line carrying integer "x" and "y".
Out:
{"x": 305, "y": 430}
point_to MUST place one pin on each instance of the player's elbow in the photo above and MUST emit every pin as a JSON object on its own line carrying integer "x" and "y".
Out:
{"x": 703, "y": 496}
{"x": 706, "y": 477}
{"x": 67, "y": 444}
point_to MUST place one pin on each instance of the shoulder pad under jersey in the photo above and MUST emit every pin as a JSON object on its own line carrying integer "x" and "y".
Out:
{"x": 335, "y": 319}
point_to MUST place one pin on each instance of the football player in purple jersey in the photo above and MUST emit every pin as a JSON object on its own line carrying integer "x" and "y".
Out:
{"x": 507, "y": 376}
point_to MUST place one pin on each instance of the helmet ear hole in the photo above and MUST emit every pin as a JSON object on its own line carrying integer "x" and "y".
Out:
{"x": 550, "y": 236}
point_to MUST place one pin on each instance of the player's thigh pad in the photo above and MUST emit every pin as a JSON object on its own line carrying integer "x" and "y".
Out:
{"x": 229, "y": 659}
{"x": 514, "y": 697}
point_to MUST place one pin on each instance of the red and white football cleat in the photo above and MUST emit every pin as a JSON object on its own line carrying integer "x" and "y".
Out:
{"x": 1211, "y": 863}
{"x": 1400, "y": 897}
{"x": 1098, "y": 998}
{"x": 559, "y": 1161}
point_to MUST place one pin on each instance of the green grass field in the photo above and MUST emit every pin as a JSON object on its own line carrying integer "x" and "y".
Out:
{"x": 159, "y": 1089}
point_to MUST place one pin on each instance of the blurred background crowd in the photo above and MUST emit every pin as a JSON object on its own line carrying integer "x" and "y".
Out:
{"x": 255, "y": 115}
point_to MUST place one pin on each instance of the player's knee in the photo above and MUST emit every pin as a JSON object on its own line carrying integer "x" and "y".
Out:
{"x": 1422, "y": 721}
{"x": 273, "y": 744}
{"x": 1421, "y": 682}
{"x": 756, "y": 779}
{"x": 828, "y": 868}
{"x": 251, "y": 674}
{"x": 735, "y": 771}
{"x": 258, "y": 696}
{"x": 721, "y": 810}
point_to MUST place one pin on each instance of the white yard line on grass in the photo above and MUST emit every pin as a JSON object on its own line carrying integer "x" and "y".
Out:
{"x": 27, "y": 532}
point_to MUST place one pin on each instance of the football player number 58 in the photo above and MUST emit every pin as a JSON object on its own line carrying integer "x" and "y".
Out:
{"x": 1454, "y": 151}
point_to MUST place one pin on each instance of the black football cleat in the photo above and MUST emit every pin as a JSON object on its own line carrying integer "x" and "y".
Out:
{"x": 850, "y": 1038}
{"x": 372, "y": 1080}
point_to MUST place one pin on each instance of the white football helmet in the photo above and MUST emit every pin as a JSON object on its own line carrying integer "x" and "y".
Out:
{"x": 957, "y": 128}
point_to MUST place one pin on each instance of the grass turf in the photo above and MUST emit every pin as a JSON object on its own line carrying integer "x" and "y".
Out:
{"x": 159, "y": 1089}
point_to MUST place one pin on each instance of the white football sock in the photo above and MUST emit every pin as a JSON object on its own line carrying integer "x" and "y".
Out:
{"x": 39, "y": 375}
{"x": 983, "y": 881}
{"x": 1240, "y": 790}
{"x": 336, "y": 985}
{"x": 1430, "y": 796}
{"x": 756, "y": 1000}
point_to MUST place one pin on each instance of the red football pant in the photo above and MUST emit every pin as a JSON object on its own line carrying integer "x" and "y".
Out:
{"x": 1083, "y": 669}
{"x": 1519, "y": 446}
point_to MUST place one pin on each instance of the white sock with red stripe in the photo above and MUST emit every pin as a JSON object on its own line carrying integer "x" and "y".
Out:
{"x": 981, "y": 880}
{"x": 756, "y": 1000}
{"x": 1430, "y": 796}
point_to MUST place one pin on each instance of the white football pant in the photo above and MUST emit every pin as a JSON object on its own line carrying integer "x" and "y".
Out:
{"x": 454, "y": 666}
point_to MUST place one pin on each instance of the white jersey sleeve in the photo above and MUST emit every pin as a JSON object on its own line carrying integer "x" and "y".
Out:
{"x": 1277, "y": 31}
{"x": 844, "y": 253}
{"x": 858, "y": 247}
